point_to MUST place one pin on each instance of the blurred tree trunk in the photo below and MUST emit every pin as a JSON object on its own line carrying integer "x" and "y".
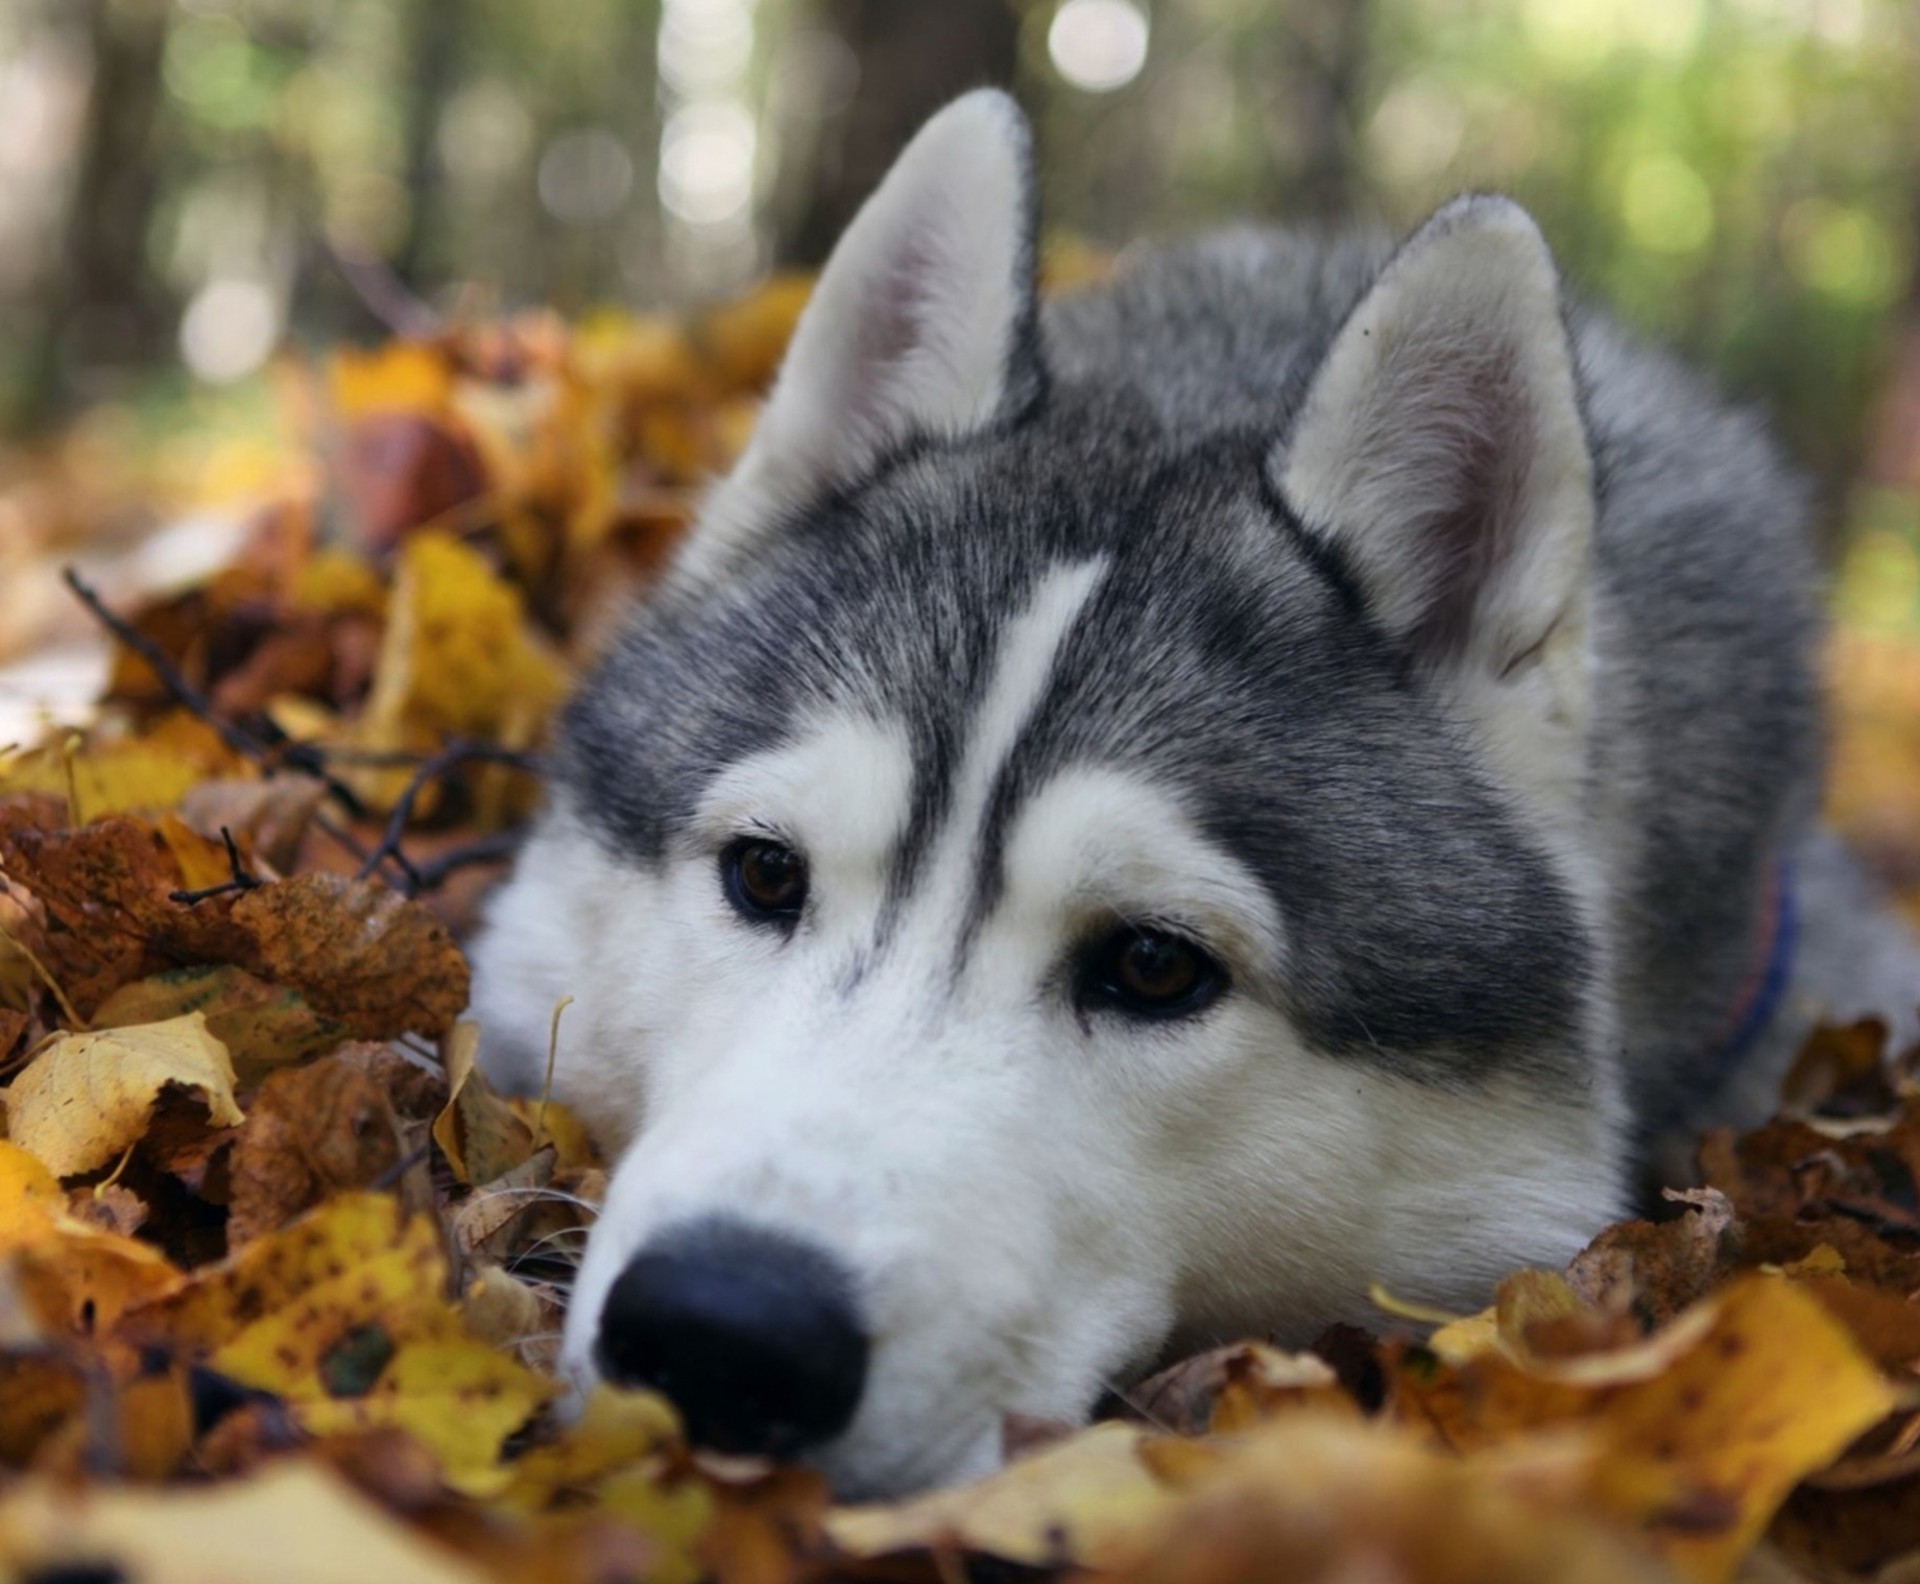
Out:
{"x": 911, "y": 60}
{"x": 435, "y": 32}
{"x": 104, "y": 309}
{"x": 1336, "y": 38}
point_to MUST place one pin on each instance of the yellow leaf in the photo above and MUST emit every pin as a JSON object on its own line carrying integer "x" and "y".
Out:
{"x": 263, "y": 1026}
{"x": 552, "y": 1123}
{"x": 1523, "y": 1298}
{"x": 402, "y": 376}
{"x": 133, "y": 776}
{"x": 476, "y": 1130}
{"x": 345, "y": 1315}
{"x": 1085, "y": 1500}
{"x": 1699, "y": 1431}
{"x": 458, "y": 654}
{"x": 86, "y": 1098}
{"x": 1774, "y": 1392}
{"x": 616, "y": 1430}
{"x": 337, "y": 582}
{"x": 359, "y": 1257}
{"x": 1313, "y": 1498}
{"x": 295, "y": 1523}
{"x": 68, "y": 1275}
{"x": 455, "y": 1395}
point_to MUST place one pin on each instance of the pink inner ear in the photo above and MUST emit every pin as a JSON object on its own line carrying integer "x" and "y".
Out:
{"x": 890, "y": 327}
{"x": 1474, "y": 439}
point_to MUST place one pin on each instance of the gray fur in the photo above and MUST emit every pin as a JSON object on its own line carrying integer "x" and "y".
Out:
{"x": 1230, "y": 658}
{"x": 1437, "y": 660}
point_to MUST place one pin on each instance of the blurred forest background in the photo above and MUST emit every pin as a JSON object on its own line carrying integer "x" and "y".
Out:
{"x": 190, "y": 184}
{"x": 197, "y": 191}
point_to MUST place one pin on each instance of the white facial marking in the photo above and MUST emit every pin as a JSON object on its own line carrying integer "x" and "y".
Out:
{"x": 1015, "y": 688}
{"x": 1030, "y": 1199}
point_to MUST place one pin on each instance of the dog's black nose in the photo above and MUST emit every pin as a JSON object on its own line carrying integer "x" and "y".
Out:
{"x": 754, "y": 1336}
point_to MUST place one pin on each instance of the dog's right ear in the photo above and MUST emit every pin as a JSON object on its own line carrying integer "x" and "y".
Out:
{"x": 922, "y": 325}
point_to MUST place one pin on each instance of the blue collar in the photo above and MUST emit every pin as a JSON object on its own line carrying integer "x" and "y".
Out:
{"x": 1765, "y": 986}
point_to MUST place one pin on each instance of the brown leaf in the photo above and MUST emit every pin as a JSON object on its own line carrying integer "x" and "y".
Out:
{"x": 263, "y": 1026}
{"x": 1228, "y": 1388}
{"x": 1656, "y": 1269}
{"x": 106, "y": 890}
{"x": 1840, "y": 1071}
{"x": 380, "y": 964}
{"x": 110, "y": 1207}
{"x": 310, "y": 1132}
{"x": 268, "y": 816}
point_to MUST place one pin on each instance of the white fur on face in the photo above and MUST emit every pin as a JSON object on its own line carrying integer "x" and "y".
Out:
{"x": 1031, "y": 1201}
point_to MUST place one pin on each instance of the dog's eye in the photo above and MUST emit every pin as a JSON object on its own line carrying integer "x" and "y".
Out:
{"x": 765, "y": 880}
{"x": 1150, "y": 973}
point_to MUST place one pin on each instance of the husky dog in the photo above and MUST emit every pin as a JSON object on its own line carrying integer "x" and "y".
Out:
{"x": 1133, "y": 819}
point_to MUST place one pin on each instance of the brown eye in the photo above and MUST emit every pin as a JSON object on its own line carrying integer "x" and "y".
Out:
{"x": 1150, "y": 973}
{"x": 765, "y": 880}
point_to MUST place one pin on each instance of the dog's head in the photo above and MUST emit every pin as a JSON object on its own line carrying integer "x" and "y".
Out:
{"x": 1085, "y": 854}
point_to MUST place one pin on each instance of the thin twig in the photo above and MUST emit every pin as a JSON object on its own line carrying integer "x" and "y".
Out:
{"x": 237, "y": 738}
{"x": 240, "y": 878}
{"x": 497, "y": 848}
{"x": 274, "y": 750}
{"x": 456, "y": 753}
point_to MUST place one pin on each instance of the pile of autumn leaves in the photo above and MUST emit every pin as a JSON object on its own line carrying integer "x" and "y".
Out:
{"x": 281, "y": 1277}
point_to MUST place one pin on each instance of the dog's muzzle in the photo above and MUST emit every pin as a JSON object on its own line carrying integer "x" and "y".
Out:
{"x": 755, "y": 1336}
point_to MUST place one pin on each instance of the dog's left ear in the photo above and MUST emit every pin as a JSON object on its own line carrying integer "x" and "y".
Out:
{"x": 1441, "y": 454}
{"x": 922, "y": 325}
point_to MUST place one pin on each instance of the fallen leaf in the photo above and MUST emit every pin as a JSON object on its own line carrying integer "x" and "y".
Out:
{"x": 263, "y": 1026}
{"x": 311, "y": 1132}
{"x": 73, "y": 1278}
{"x": 1318, "y": 1499}
{"x": 293, "y": 1521}
{"x": 1656, "y": 1269}
{"x": 380, "y": 964}
{"x": 479, "y": 1133}
{"x": 270, "y": 816}
{"x": 1088, "y": 1501}
{"x": 1228, "y": 1388}
{"x": 87, "y": 1098}
{"x": 344, "y": 1315}
{"x": 1731, "y": 1404}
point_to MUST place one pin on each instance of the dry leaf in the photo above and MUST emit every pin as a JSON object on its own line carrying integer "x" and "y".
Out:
{"x": 263, "y": 1026}
{"x": 1088, "y": 1501}
{"x": 311, "y": 1132}
{"x": 378, "y": 963}
{"x": 480, "y": 1134}
{"x": 87, "y": 1098}
{"x": 74, "y": 1277}
{"x": 1721, "y": 1413}
{"x": 1317, "y": 1499}
{"x": 293, "y": 1522}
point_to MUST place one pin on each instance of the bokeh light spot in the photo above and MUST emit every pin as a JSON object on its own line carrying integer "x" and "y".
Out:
{"x": 706, "y": 162}
{"x": 229, "y": 329}
{"x": 584, "y": 177}
{"x": 1841, "y": 251}
{"x": 1098, "y": 45}
{"x": 1666, "y": 205}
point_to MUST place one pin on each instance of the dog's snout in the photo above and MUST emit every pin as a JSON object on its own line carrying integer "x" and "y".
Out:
{"x": 756, "y": 1337}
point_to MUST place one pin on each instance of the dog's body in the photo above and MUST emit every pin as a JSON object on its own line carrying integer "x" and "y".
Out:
{"x": 1298, "y": 765}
